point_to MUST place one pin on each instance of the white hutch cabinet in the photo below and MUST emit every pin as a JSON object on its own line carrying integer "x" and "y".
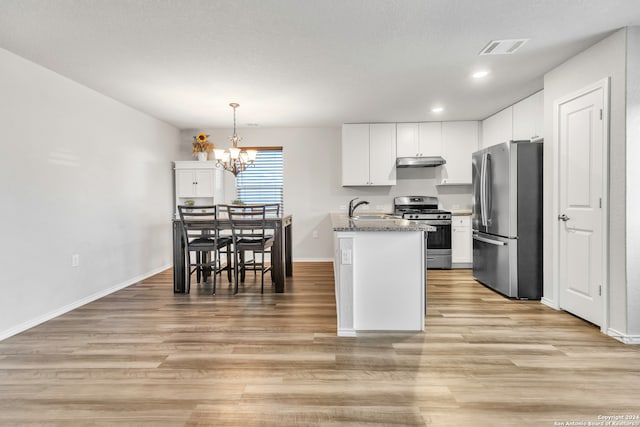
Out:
{"x": 197, "y": 181}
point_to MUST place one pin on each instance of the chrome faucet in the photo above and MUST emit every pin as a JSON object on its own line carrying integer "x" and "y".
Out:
{"x": 353, "y": 207}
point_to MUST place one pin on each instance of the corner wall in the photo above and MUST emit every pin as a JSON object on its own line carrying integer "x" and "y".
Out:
{"x": 605, "y": 59}
{"x": 79, "y": 174}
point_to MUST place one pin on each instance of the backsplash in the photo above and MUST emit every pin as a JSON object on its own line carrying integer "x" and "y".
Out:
{"x": 411, "y": 182}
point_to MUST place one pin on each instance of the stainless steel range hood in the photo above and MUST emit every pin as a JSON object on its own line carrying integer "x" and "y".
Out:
{"x": 419, "y": 162}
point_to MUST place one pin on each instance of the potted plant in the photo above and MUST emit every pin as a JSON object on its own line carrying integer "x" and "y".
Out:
{"x": 201, "y": 146}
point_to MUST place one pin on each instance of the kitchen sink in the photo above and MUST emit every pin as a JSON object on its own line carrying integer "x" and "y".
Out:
{"x": 375, "y": 216}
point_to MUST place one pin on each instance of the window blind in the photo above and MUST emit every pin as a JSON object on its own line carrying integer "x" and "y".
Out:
{"x": 262, "y": 183}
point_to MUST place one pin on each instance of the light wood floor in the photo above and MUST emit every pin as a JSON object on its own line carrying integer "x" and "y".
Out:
{"x": 144, "y": 356}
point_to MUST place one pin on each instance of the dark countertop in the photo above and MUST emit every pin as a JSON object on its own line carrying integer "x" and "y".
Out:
{"x": 341, "y": 222}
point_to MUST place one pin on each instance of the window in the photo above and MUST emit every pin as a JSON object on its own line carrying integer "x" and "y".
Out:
{"x": 262, "y": 183}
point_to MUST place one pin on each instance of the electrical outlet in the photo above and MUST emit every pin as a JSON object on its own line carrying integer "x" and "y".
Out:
{"x": 346, "y": 257}
{"x": 314, "y": 234}
{"x": 75, "y": 260}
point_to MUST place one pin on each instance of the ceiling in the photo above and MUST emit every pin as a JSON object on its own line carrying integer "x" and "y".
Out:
{"x": 298, "y": 63}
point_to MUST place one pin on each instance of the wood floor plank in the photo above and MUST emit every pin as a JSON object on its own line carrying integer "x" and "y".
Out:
{"x": 145, "y": 356}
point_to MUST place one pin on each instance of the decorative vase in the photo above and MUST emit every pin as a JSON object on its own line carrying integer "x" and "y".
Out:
{"x": 202, "y": 156}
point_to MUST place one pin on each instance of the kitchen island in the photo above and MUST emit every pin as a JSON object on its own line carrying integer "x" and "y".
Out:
{"x": 380, "y": 273}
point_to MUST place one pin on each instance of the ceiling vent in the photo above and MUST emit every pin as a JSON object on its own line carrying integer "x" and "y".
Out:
{"x": 503, "y": 47}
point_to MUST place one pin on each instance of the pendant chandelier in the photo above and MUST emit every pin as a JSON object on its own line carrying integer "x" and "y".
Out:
{"x": 235, "y": 160}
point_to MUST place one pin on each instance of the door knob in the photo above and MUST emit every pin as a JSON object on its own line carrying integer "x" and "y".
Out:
{"x": 563, "y": 217}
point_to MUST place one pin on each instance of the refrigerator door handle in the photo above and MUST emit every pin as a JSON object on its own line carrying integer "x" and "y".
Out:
{"x": 482, "y": 189}
{"x": 488, "y": 196}
{"x": 490, "y": 241}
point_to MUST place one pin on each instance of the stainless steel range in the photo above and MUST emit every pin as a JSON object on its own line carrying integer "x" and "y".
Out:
{"x": 425, "y": 209}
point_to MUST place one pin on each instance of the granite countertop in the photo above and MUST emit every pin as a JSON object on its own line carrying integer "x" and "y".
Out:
{"x": 341, "y": 222}
{"x": 461, "y": 212}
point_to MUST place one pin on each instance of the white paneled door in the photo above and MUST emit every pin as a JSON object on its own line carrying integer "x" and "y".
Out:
{"x": 582, "y": 264}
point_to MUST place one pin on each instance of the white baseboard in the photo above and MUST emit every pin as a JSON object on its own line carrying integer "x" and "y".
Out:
{"x": 461, "y": 265}
{"x": 347, "y": 333}
{"x": 549, "y": 303}
{"x": 72, "y": 306}
{"x": 312, "y": 259}
{"x": 627, "y": 339}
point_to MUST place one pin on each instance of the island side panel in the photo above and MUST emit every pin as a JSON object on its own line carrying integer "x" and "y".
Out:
{"x": 343, "y": 271}
{"x": 389, "y": 281}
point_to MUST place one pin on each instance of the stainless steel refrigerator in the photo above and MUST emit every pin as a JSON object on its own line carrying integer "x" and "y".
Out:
{"x": 507, "y": 218}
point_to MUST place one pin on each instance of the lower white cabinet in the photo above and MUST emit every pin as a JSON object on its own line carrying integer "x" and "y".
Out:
{"x": 461, "y": 243}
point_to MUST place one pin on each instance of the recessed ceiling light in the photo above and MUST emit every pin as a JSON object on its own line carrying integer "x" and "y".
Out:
{"x": 480, "y": 74}
{"x": 437, "y": 109}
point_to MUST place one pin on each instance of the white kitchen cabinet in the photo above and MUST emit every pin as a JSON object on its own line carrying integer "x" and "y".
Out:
{"x": 497, "y": 128}
{"x": 528, "y": 117}
{"x": 461, "y": 242}
{"x": 369, "y": 154}
{"x": 459, "y": 141}
{"x": 198, "y": 181}
{"x": 419, "y": 139}
{"x": 523, "y": 120}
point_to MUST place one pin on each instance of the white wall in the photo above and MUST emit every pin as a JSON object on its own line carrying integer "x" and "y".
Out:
{"x": 633, "y": 179}
{"x": 313, "y": 183}
{"x": 606, "y": 59}
{"x": 79, "y": 174}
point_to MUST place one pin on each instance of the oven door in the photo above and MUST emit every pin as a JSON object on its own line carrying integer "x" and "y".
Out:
{"x": 439, "y": 244}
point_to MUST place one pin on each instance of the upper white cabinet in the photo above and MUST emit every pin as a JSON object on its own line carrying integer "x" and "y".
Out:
{"x": 200, "y": 182}
{"x": 459, "y": 141}
{"x": 521, "y": 121}
{"x": 369, "y": 154}
{"x": 194, "y": 182}
{"x": 419, "y": 139}
{"x": 528, "y": 117}
{"x": 497, "y": 128}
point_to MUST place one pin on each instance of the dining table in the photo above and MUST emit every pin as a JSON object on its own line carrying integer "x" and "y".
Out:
{"x": 281, "y": 252}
